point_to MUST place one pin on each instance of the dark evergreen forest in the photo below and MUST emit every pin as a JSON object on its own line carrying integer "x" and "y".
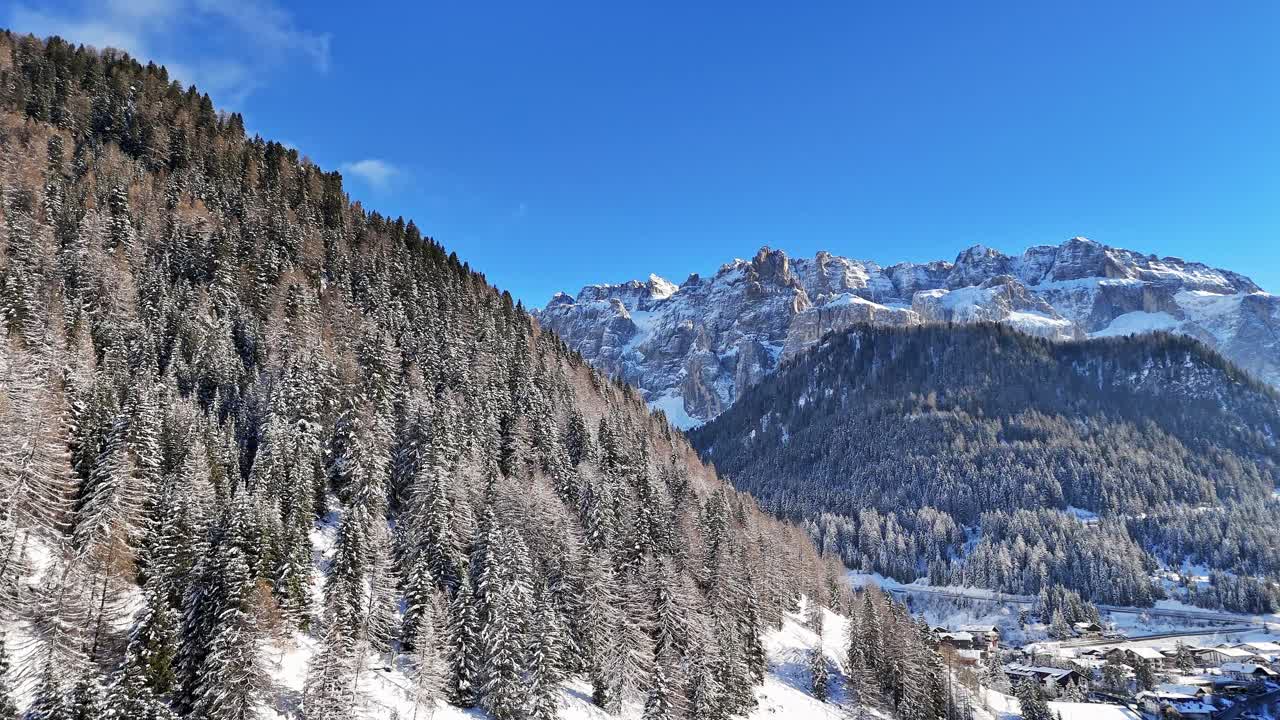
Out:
{"x": 955, "y": 452}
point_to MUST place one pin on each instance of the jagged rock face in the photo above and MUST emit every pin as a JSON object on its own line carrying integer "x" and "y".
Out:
{"x": 691, "y": 349}
{"x": 847, "y": 311}
{"x": 999, "y": 299}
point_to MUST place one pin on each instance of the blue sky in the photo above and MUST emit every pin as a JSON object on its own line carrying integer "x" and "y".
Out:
{"x": 562, "y": 143}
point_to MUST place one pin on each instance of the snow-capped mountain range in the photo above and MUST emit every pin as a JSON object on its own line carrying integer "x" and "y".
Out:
{"x": 691, "y": 348}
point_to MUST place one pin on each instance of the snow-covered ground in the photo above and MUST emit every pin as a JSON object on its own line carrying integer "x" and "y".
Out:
{"x": 783, "y": 696}
{"x": 942, "y": 605}
{"x": 1001, "y": 706}
{"x": 672, "y": 404}
{"x": 385, "y": 692}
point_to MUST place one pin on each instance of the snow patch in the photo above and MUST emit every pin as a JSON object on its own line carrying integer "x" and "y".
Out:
{"x": 1084, "y": 516}
{"x": 1138, "y": 322}
{"x": 672, "y": 403}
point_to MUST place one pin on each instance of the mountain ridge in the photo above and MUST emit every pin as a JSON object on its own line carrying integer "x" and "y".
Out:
{"x": 694, "y": 347}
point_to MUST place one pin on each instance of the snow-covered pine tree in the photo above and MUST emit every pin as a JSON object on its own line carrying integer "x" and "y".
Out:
{"x": 819, "y": 675}
{"x": 147, "y": 677}
{"x": 430, "y": 555}
{"x": 382, "y": 622}
{"x": 110, "y": 511}
{"x": 749, "y": 629}
{"x": 463, "y": 636}
{"x": 344, "y": 455}
{"x": 658, "y": 703}
{"x": 670, "y": 609}
{"x": 504, "y": 623}
{"x": 220, "y": 668}
{"x": 544, "y": 658}
{"x": 866, "y": 652}
{"x": 47, "y": 696}
{"x": 328, "y": 693}
{"x": 732, "y": 673}
{"x": 148, "y": 664}
{"x": 599, "y": 641}
{"x": 1032, "y": 701}
{"x": 1144, "y": 675}
{"x": 120, "y": 233}
{"x": 429, "y": 671}
{"x": 7, "y": 707}
{"x": 34, "y": 471}
{"x": 176, "y": 528}
{"x": 702, "y": 688}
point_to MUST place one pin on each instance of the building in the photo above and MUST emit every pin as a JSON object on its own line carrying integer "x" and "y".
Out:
{"x": 1049, "y": 677}
{"x": 1159, "y": 703}
{"x": 1214, "y": 657}
{"x": 1259, "y": 648}
{"x": 1249, "y": 671}
{"x": 1086, "y": 629}
{"x": 1268, "y": 651}
{"x": 955, "y": 639}
{"x": 985, "y": 637}
{"x": 1132, "y": 656}
{"x": 1195, "y": 691}
{"x": 1090, "y": 667}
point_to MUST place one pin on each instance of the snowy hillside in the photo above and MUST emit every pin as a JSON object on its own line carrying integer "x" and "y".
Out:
{"x": 785, "y": 694}
{"x": 385, "y": 689}
{"x": 695, "y": 347}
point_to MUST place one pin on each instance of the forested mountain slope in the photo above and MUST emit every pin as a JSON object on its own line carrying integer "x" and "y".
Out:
{"x": 237, "y": 407}
{"x": 957, "y": 452}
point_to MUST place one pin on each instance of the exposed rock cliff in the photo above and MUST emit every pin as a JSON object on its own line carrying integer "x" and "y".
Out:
{"x": 692, "y": 348}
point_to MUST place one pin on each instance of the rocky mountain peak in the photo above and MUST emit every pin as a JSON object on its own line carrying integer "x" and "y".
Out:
{"x": 691, "y": 349}
{"x": 977, "y": 263}
{"x": 772, "y": 266}
{"x": 660, "y": 288}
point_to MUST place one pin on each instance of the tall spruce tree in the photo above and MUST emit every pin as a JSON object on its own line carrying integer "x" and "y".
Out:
{"x": 8, "y": 709}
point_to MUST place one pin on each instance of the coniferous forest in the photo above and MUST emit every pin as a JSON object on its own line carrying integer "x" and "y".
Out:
{"x": 239, "y": 408}
{"x": 970, "y": 454}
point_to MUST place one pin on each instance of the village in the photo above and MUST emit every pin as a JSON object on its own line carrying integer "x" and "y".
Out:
{"x": 1100, "y": 673}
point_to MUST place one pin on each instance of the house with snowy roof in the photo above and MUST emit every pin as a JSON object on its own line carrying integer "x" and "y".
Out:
{"x": 1086, "y": 629}
{"x": 1267, "y": 651}
{"x": 1049, "y": 677}
{"x": 956, "y": 639}
{"x": 1132, "y": 655}
{"x": 1089, "y": 666}
{"x": 1162, "y": 703}
{"x": 1195, "y": 691}
{"x": 985, "y": 637}
{"x": 1249, "y": 671}
{"x": 1216, "y": 656}
{"x": 1261, "y": 648}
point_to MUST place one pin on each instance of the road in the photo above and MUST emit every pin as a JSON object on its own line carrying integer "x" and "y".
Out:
{"x": 1027, "y": 600}
{"x": 1093, "y": 642}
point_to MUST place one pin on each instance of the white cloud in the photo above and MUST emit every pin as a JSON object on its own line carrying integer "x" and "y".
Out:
{"x": 242, "y": 40}
{"x": 85, "y": 31}
{"x": 377, "y": 173}
{"x": 269, "y": 27}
